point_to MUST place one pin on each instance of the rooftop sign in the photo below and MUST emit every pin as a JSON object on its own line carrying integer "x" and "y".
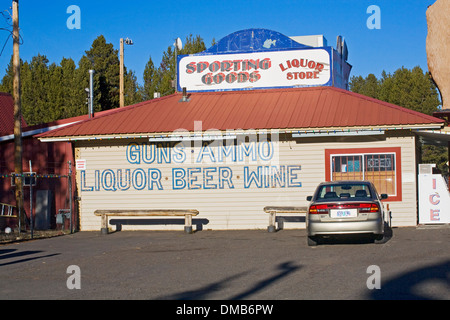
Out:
{"x": 261, "y": 58}
{"x": 290, "y": 68}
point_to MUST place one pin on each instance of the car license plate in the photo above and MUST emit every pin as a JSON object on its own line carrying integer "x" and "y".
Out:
{"x": 343, "y": 213}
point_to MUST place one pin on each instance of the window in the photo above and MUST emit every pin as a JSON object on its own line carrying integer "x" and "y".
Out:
{"x": 335, "y": 192}
{"x": 381, "y": 166}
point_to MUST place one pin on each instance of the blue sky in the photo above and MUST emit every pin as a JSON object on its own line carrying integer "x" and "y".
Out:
{"x": 153, "y": 26}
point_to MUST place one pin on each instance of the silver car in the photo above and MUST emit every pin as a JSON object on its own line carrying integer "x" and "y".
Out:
{"x": 345, "y": 207}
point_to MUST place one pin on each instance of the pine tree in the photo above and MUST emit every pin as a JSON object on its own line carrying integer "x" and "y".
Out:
{"x": 7, "y": 80}
{"x": 151, "y": 80}
{"x": 161, "y": 79}
{"x": 368, "y": 86}
{"x": 412, "y": 89}
{"x": 193, "y": 45}
{"x": 35, "y": 83}
{"x": 55, "y": 93}
{"x": 104, "y": 60}
{"x": 74, "y": 97}
{"x": 52, "y": 92}
{"x": 133, "y": 92}
{"x": 167, "y": 72}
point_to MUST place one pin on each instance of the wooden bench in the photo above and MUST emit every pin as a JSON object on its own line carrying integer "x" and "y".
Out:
{"x": 147, "y": 213}
{"x": 273, "y": 211}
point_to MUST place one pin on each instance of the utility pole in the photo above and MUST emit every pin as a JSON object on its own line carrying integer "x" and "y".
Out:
{"x": 122, "y": 100}
{"x": 18, "y": 168}
{"x": 122, "y": 42}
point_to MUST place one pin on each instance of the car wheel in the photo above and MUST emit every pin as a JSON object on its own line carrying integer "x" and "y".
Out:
{"x": 379, "y": 238}
{"x": 312, "y": 241}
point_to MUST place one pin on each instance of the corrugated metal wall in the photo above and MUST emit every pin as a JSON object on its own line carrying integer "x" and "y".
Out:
{"x": 115, "y": 165}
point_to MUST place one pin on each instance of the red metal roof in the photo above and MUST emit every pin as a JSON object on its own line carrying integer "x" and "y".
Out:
{"x": 7, "y": 113}
{"x": 295, "y": 108}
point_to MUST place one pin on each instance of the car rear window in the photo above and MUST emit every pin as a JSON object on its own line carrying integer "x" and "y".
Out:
{"x": 344, "y": 192}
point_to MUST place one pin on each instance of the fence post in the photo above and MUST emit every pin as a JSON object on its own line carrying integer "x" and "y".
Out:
{"x": 70, "y": 194}
{"x": 31, "y": 200}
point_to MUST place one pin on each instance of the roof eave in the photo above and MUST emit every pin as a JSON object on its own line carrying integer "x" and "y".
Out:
{"x": 425, "y": 126}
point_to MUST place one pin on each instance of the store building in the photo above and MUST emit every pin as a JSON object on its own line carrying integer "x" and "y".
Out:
{"x": 261, "y": 121}
{"x": 50, "y": 166}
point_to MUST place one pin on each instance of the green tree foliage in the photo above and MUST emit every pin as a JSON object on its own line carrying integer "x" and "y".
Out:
{"x": 151, "y": 80}
{"x": 160, "y": 79}
{"x": 132, "y": 90}
{"x": 51, "y": 92}
{"x": 369, "y": 86}
{"x": 104, "y": 60}
{"x": 73, "y": 96}
{"x": 412, "y": 89}
{"x": 437, "y": 155}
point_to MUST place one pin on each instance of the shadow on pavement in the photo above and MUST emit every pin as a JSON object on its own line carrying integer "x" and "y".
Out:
{"x": 13, "y": 254}
{"x": 201, "y": 294}
{"x": 407, "y": 286}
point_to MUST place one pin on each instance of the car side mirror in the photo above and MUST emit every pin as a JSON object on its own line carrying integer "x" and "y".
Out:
{"x": 309, "y": 198}
{"x": 384, "y": 196}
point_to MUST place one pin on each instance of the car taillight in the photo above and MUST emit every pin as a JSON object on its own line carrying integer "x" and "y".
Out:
{"x": 318, "y": 209}
{"x": 368, "y": 207}
{"x": 363, "y": 207}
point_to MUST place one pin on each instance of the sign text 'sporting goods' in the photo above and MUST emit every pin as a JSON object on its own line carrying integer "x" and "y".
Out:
{"x": 290, "y": 68}
{"x": 208, "y": 166}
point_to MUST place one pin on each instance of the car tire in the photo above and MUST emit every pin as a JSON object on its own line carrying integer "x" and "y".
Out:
{"x": 312, "y": 241}
{"x": 379, "y": 238}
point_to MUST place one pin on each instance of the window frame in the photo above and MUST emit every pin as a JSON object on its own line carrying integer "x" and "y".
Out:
{"x": 329, "y": 153}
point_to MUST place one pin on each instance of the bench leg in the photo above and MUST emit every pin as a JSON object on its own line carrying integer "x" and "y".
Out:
{"x": 104, "y": 229}
{"x": 188, "y": 223}
{"x": 272, "y": 218}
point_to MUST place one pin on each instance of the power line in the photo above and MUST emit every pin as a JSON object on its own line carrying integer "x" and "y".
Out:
{"x": 8, "y": 19}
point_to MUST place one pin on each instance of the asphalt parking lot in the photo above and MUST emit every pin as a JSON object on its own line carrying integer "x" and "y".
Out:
{"x": 228, "y": 265}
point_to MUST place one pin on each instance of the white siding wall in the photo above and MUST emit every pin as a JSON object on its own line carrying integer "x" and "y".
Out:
{"x": 238, "y": 208}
